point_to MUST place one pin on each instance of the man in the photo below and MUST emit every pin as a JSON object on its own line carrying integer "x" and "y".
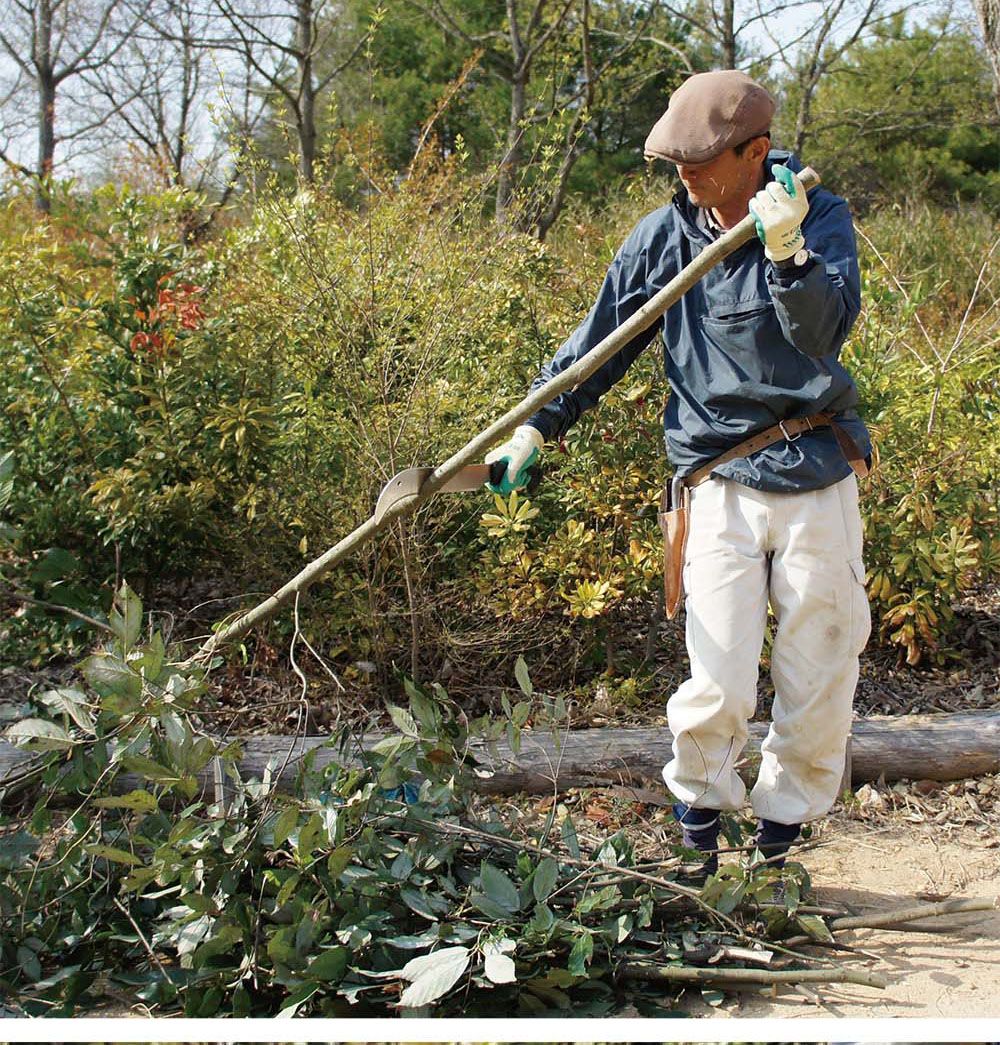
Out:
{"x": 752, "y": 347}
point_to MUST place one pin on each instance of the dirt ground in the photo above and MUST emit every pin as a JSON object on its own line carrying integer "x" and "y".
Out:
{"x": 951, "y": 971}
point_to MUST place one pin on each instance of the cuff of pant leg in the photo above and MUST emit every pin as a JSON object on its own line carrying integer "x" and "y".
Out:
{"x": 691, "y": 817}
{"x": 776, "y": 834}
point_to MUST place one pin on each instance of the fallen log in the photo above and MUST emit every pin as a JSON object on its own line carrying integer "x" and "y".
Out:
{"x": 925, "y": 747}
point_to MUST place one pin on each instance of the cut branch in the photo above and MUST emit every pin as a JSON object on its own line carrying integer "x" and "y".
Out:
{"x": 909, "y": 914}
{"x": 736, "y": 977}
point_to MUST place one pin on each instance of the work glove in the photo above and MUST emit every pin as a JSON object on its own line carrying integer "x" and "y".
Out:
{"x": 513, "y": 459}
{"x": 779, "y": 208}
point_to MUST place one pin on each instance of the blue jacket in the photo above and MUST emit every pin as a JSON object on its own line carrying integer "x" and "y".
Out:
{"x": 747, "y": 347}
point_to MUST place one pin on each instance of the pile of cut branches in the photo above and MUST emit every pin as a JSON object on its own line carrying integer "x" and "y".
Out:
{"x": 382, "y": 884}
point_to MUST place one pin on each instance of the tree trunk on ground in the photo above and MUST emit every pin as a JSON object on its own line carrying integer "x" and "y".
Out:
{"x": 923, "y": 747}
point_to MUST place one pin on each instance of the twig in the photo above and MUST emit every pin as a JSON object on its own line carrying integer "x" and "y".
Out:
{"x": 833, "y": 945}
{"x": 733, "y": 977}
{"x": 909, "y": 914}
{"x": 93, "y": 622}
{"x": 663, "y": 883}
{"x": 149, "y": 950}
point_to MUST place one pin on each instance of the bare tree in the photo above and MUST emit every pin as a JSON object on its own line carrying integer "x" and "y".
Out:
{"x": 511, "y": 53}
{"x": 282, "y": 43}
{"x": 51, "y": 42}
{"x": 818, "y": 51}
{"x": 164, "y": 72}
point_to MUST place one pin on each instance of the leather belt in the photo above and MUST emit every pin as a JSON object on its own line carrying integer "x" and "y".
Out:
{"x": 789, "y": 430}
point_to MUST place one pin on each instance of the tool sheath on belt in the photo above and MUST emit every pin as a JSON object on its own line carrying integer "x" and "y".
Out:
{"x": 675, "y": 504}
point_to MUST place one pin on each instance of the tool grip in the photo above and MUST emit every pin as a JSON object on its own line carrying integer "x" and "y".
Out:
{"x": 499, "y": 468}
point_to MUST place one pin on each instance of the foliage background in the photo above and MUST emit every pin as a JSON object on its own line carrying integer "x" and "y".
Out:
{"x": 200, "y": 401}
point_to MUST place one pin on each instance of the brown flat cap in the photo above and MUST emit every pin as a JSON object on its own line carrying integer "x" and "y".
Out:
{"x": 709, "y": 113}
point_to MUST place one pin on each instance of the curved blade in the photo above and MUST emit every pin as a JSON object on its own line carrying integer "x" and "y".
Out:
{"x": 408, "y": 482}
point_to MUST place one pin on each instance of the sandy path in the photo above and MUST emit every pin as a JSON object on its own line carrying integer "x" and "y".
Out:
{"x": 933, "y": 974}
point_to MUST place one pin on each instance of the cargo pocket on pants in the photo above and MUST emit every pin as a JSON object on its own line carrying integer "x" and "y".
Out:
{"x": 861, "y": 615}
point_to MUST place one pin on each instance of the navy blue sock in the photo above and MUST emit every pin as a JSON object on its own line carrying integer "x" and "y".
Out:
{"x": 700, "y": 830}
{"x": 774, "y": 839}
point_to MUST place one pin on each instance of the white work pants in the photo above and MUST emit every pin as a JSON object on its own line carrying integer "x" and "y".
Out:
{"x": 801, "y": 551}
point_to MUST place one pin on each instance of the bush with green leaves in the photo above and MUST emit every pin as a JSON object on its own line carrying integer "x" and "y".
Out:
{"x": 924, "y": 353}
{"x": 122, "y": 407}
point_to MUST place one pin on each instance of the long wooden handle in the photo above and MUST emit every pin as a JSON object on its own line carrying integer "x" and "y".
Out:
{"x": 476, "y": 447}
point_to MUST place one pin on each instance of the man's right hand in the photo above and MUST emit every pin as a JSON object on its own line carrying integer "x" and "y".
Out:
{"x": 512, "y": 459}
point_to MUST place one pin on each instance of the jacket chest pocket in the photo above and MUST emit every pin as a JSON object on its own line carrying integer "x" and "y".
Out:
{"x": 741, "y": 325}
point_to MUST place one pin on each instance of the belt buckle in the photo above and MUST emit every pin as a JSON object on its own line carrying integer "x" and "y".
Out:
{"x": 791, "y": 438}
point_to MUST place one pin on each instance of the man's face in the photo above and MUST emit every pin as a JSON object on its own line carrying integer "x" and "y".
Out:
{"x": 726, "y": 179}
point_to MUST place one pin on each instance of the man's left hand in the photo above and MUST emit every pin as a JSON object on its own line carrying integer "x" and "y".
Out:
{"x": 779, "y": 209}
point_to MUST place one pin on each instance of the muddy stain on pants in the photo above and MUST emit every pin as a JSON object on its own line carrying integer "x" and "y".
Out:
{"x": 803, "y": 553}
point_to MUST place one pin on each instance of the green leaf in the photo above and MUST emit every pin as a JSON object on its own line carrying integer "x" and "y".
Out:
{"x": 403, "y": 721}
{"x": 431, "y": 976}
{"x": 544, "y": 879}
{"x": 580, "y": 955}
{"x": 116, "y": 856}
{"x": 568, "y": 833}
{"x": 139, "y": 879}
{"x": 489, "y": 907}
{"x": 499, "y": 888}
{"x": 29, "y": 963}
{"x": 329, "y": 966}
{"x": 712, "y": 996}
{"x": 72, "y": 702}
{"x": 16, "y": 849}
{"x": 814, "y": 926}
{"x": 499, "y": 966}
{"x": 153, "y": 656}
{"x": 542, "y": 920}
{"x": 308, "y": 836}
{"x": 38, "y": 734}
{"x": 289, "y": 886}
{"x": 281, "y": 946}
{"x": 125, "y": 617}
{"x": 425, "y": 712}
{"x": 286, "y": 823}
{"x": 420, "y": 903}
{"x": 338, "y": 861}
{"x": 150, "y": 770}
{"x": 198, "y": 902}
{"x": 111, "y": 676}
{"x": 137, "y": 801}
{"x": 55, "y": 564}
{"x": 6, "y": 478}
{"x": 402, "y": 866}
{"x": 297, "y": 999}
{"x": 522, "y": 676}
{"x": 224, "y": 940}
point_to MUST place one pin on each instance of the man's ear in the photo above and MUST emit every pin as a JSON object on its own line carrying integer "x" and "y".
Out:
{"x": 759, "y": 148}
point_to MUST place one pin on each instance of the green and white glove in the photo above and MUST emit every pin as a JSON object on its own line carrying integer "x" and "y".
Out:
{"x": 779, "y": 208}
{"x": 520, "y": 452}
